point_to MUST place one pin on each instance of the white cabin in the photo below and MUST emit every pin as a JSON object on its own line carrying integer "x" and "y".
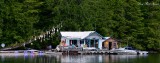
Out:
{"x": 82, "y": 38}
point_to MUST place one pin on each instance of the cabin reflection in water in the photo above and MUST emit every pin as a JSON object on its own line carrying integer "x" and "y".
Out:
{"x": 96, "y": 58}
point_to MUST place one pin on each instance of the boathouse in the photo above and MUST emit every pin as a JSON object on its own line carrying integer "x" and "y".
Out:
{"x": 109, "y": 43}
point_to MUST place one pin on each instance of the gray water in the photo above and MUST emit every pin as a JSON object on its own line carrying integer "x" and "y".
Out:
{"x": 151, "y": 58}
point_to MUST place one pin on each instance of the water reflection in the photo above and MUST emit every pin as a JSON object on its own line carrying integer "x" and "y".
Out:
{"x": 98, "y": 58}
{"x": 78, "y": 58}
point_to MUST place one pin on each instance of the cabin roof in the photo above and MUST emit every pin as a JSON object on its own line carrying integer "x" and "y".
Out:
{"x": 77, "y": 34}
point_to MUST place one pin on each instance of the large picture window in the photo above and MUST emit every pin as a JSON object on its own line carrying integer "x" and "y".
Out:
{"x": 74, "y": 42}
{"x": 94, "y": 43}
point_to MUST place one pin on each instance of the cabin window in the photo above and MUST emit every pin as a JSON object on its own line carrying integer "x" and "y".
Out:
{"x": 115, "y": 45}
{"x": 92, "y": 43}
{"x": 81, "y": 41}
{"x": 87, "y": 43}
{"x": 74, "y": 42}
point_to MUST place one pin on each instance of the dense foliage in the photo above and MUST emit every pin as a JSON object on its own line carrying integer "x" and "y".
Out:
{"x": 136, "y": 22}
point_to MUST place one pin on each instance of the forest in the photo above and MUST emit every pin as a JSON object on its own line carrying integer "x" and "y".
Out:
{"x": 136, "y": 22}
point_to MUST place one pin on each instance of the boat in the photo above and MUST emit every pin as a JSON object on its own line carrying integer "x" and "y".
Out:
{"x": 125, "y": 51}
{"x": 142, "y": 52}
{"x": 128, "y": 51}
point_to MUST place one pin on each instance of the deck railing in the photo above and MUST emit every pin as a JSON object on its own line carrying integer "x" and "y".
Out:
{"x": 70, "y": 48}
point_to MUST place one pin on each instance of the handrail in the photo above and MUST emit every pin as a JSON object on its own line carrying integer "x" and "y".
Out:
{"x": 42, "y": 36}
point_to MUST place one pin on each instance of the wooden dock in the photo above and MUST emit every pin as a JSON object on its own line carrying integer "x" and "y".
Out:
{"x": 75, "y": 52}
{"x": 86, "y": 52}
{"x": 92, "y": 52}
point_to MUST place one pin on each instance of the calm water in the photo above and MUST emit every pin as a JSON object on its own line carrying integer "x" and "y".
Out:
{"x": 151, "y": 58}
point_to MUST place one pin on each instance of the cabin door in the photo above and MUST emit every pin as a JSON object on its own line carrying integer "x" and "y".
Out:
{"x": 105, "y": 45}
{"x": 110, "y": 45}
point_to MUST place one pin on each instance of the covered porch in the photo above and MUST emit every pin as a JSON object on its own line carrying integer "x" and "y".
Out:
{"x": 83, "y": 42}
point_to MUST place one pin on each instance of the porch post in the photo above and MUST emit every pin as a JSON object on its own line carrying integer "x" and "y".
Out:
{"x": 67, "y": 42}
{"x": 94, "y": 43}
{"x": 78, "y": 42}
{"x": 89, "y": 42}
{"x": 84, "y": 42}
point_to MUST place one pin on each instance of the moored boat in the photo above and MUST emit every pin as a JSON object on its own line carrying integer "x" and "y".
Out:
{"x": 124, "y": 51}
{"x": 129, "y": 51}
